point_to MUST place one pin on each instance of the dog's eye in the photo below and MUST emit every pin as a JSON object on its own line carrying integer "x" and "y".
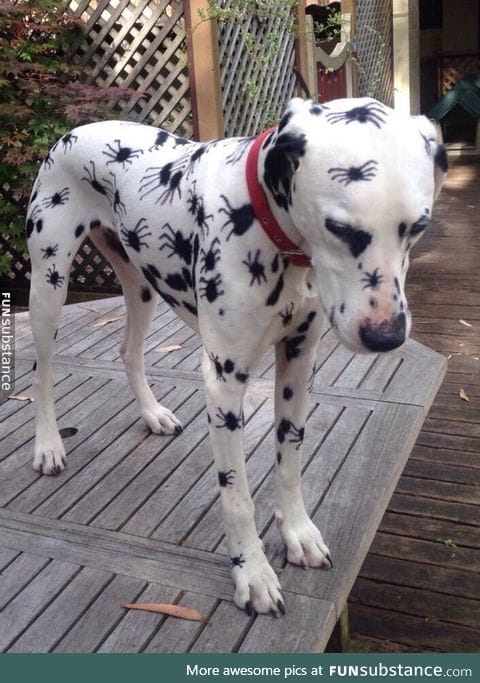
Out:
{"x": 357, "y": 240}
{"x": 419, "y": 226}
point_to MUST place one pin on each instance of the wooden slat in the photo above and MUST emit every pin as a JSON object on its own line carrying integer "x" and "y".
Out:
{"x": 18, "y": 574}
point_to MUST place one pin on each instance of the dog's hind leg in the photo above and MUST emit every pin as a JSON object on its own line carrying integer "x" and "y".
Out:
{"x": 256, "y": 585}
{"x": 141, "y": 302}
{"x": 295, "y": 358}
{"x": 52, "y": 247}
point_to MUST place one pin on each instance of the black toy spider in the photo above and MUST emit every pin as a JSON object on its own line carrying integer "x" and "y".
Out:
{"x": 241, "y": 218}
{"x": 56, "y": 199}
{"x": 48, "y": 161}
{"x": 48, "y": 252}
{"x": 370, "y": 113}
{"x": 114, "y": 194}
{"x": 135, "y": 239}
{"x": 366, "y": 171}
{"x": 162, "y": 176}
{"x": 287, "y": 316}
{"x": 176, "y": 243}
{"x": 237, "y": 561}
{"x": 211, "y": 257}
{"x": 229, "y": 420}
{"x": 161, "y": 139}
{"x": 188, "y": 161}
{"x": 257, "y": 269}
{"x": 91, "y": 178}
{"x": 210, "y": 288}
{"x": 372, "y": 280}
{"x": 122, "y": 155}
{"x": 54, "y": 277}
{"x": 226, "y": 478}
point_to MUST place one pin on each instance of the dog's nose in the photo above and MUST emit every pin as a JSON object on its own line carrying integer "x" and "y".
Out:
{"x": 385, "y": 336}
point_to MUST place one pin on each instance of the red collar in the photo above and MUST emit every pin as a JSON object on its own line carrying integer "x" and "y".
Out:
{"x": 262, "y": 210}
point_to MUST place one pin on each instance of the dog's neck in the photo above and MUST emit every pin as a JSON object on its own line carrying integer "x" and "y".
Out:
{"x": 275, "y": 220}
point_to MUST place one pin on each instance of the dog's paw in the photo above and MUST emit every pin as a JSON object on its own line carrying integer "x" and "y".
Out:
{"x": 257, "y": 588}
{"x": 49, "y": 457}
{"x": 161, "y": 420}
{"x": 304, "y": 543}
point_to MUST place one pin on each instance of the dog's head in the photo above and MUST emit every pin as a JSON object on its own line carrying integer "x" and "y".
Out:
{"x": 358, "y": 181}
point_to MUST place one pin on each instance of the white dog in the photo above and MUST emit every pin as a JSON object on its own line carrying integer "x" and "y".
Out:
{"x": 253, "y": 242}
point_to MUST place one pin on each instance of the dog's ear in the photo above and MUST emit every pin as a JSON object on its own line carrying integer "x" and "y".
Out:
{"x": 283, "y": 159}
{"x": 432, "y": 139}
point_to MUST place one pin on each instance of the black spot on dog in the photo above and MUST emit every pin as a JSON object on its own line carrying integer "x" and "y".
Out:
{"x": 292, "y": 346}
{"x": 112, "y": 240}
{"x": 279, "y": 457}
{"x": 145, "y": 294}
{"x": 191, "y": 309}
{"x": 441, "y": 159}
{"x": 402, "y": 227}
{"x": 356, "y": 239}
{"x": 275, "y": 293}
{"x": 229, "y": 366}
{"x": 287, "y": 393}
{"x": 241, "y": 377}
{"x": 79, "y": 230}
{"x": 95, "y": 224}
{"x": 281, "y": 162}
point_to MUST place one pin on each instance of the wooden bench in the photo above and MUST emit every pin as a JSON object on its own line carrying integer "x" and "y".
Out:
{"x": 136, "y": 517}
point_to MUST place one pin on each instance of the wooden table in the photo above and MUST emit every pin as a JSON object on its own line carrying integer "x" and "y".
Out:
{"x": 136, "y": 517}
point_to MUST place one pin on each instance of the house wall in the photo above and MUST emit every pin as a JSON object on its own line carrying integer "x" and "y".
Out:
{"x": 460, "y": 25}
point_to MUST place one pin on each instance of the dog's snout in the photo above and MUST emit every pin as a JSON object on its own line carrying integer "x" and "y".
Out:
{"x": 387, "y": 335}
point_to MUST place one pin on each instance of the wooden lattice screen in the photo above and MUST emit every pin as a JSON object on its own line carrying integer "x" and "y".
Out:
{"x": 253, "y": 92}
{"x": 374, "y": 49}
{"x": 452, "y": 68}
{"x": 140, "y": 44}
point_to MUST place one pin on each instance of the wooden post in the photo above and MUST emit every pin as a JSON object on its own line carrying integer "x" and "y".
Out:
{"x": 348, "y": 11}
{"x": 340, "y": 638}
{"x": 301, "y": 57}
{"x": 204, "y": 72}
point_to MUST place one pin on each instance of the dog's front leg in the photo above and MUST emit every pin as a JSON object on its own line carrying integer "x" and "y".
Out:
{"x": 256, "y": 584}
{"x": 295, "y": 358}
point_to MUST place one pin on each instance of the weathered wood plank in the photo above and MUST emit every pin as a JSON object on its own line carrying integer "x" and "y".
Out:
{"x": 18, "y": 574}
{"x": 429, "y": 577}
{"x": 306, "y": 626}
{"x": 428, "y": 507}
{"x": 442, "y": 490}
{"x": 136, "y": 628}
{"x": 224, "y": 630}
{"x": 462, "y": 535}
{"x": 177, "y": 635}
{"x": 95, "y": 625}
{"x": 48, "y": 628}
{"x": 28, "y": 604}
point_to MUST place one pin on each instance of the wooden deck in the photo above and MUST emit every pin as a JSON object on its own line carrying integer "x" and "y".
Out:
{"x": 136, "y": 516}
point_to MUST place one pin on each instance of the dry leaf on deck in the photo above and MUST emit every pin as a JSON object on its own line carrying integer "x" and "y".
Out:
{"x": 105, "y": 321}
{"x": 167, "y": 349}
{"x": 166, "y": 608}
{"x": 463, "y": 395}
{"x": 464, "y": 322}
{"x": 19, "y": 397}
{"x": 89, "y": 308}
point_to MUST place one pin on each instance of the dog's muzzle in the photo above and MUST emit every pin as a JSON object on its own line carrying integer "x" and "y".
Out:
{"x": 385, "y": 336}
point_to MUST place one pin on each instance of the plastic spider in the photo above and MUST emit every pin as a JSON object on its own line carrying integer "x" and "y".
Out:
{"x": 372, "y": 280}
{"x": 56, "y": 199}
{"x": 48, "y": 161}
{"x": 161, "y": 139}
{"x": 136, "y": 238}
{"x": 287, "y": 316}
{"x": 257, "y": 269}
{"x": 226, "y": 478}
{"x": 229, "y": 420}
{"x": 366, "y": 171}
{"x": 91, "y": 178}
{"x": 114, "y": 194}
{"x": 122, "y": 155}
{"x": 48, "y": 252}
{"x": 32, "y": 219}
{"x": 54, "y": 277}
{"x": 210, "y": 288}
{"x": 370, "y": 113}
{"x": 218, "y": 366}
{"x": 237, "y": 561}
{"x": 177, "y": 243}
{"x": 211, "y": 257}
{"x": 241, "y": 218}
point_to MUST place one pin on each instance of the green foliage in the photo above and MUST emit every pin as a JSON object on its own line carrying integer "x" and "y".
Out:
{"x": 40, "y": 99}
